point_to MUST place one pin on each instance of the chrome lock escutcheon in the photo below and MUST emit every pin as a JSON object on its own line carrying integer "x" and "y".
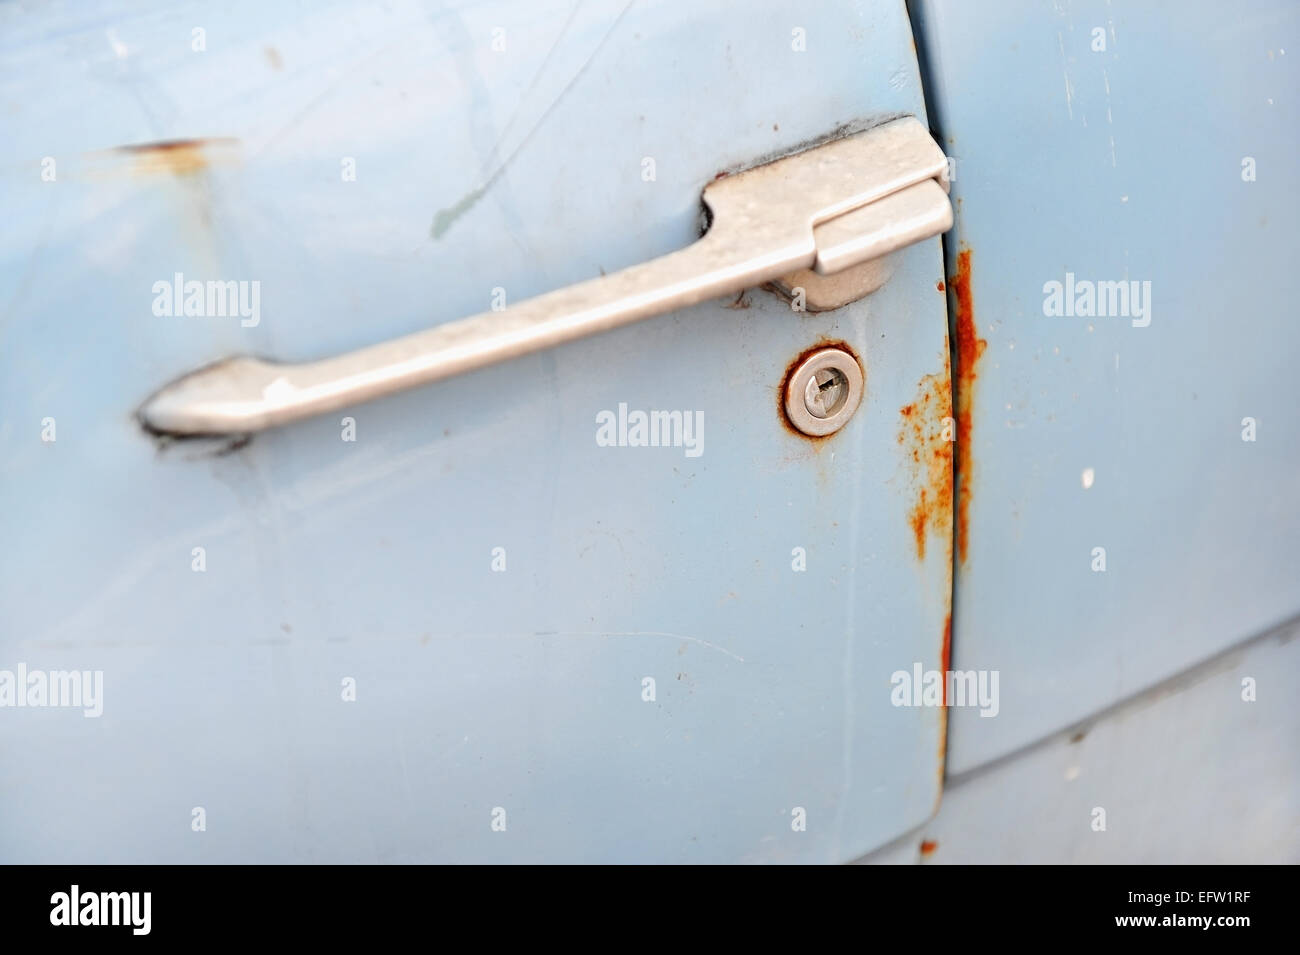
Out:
{"x": 823, "y": 392}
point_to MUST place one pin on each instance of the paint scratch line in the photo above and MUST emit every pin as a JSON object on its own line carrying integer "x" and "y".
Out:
{"x": 639, "y": 633}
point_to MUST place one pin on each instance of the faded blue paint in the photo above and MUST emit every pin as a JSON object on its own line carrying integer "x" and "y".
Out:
{"x": 371, "y": 559}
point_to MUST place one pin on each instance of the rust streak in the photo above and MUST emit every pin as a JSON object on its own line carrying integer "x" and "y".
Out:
{"x": 946, "y": 656}
{"x": 969, "y": 349}
{"x": 178, "y": 156}
{"x": 945, "y": 664}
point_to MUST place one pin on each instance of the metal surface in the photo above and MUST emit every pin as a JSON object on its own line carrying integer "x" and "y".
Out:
{"x": 822, "y": 293}
{"x": 893, "y": 222}
{"x": 1075, "y": 160}
{"x": 767, "y": 222}
{"x": 908, "y": 216}
{"x": 373, "y": 559}
{"x": 823, "y": 392}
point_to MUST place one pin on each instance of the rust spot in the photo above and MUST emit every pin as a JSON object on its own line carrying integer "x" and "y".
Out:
{"x": 928, "y": 846}
{"x": 178, "y": 157}
{"x": 926, "y": 435}
{"x": 969, "y": 349}
{"x": 939, "y": 285}
{"x": 789, "y": 370}
{"x": 273, "y": 58}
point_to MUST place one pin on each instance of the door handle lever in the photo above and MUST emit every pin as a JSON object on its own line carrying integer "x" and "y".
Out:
{"x": 828, "y": 208}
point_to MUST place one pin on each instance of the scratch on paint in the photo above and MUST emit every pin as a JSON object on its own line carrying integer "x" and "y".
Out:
{"x": 445, "y": 218}
{"x": 1105, "y": 77}
{"x": 638, "y": 633}
{"x": 1065, "y": 72}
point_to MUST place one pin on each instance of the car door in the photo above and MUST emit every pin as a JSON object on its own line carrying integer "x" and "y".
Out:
{"x": 454, "y": 624}
{"x": 1124, "y": 191}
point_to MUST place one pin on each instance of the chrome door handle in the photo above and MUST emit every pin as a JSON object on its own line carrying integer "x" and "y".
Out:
{"x": 829, "y": 208}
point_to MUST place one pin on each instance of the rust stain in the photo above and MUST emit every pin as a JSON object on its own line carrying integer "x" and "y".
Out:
{"x": 969, "y": 349}
{"x": 937, "y": 453}
{"x": 946, "y": 657}
{"x": 789, "y": 371}
{"x": 928, "y": 846}
{"x": 945, "y": 664}
{"x": 179, "y": 170}
{"x": 180, "y": 157}
{"x": 273, "y": 58}
{"x": 930, "y": 436}
{"x": 926, "y": 436}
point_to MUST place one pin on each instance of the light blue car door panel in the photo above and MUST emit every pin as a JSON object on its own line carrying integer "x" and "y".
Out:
{"x": 1129, "y": 506}
{"x": 423, "y": 628}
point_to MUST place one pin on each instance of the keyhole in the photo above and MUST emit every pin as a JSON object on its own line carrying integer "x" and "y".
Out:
{"x": 826, "y": 392}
